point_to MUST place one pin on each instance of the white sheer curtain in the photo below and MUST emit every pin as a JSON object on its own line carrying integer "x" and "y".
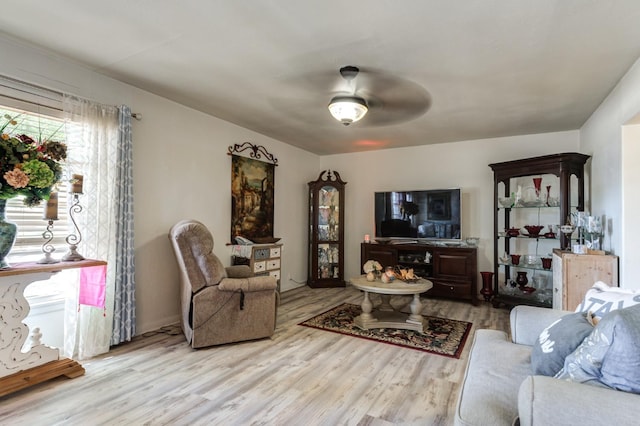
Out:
{"x": 92, "y": 138}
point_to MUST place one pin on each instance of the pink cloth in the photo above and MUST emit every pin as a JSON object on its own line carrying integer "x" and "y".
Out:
{"x": 93, "y": 284}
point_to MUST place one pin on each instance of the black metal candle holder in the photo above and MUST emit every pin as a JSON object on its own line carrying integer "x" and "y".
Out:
{"x": 47, "y": 247}
{"x": 74, "y": 238}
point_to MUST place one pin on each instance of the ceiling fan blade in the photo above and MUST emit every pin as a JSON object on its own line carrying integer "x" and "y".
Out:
{"x": 395, "y": 111}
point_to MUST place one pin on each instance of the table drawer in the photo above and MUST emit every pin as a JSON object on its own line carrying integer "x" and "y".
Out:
{"x": 273, "y": 264}
{"x": 259, "y": 266}
{"x": 451, "y": 289}
{"x": 261, "y": 253}
{"x": 275, "y": 274}
{"x": 274, "y": 252}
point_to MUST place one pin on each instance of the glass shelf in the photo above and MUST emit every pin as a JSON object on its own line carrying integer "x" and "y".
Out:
{"x": 532, "y": 266}
{"x": 533, "y": 207}
{"x": 516, "y": 296}
{"x": 539, "y": 237}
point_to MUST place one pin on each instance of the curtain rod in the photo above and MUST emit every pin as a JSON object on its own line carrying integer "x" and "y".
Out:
{"x": 136, "y": 115}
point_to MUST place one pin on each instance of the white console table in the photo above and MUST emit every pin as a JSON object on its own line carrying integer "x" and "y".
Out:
{"x": 18, "y": 369}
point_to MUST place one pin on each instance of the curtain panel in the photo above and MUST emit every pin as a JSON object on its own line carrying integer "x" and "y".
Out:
{"x": 124, "y": 313}
{"x": 95, "y": 149}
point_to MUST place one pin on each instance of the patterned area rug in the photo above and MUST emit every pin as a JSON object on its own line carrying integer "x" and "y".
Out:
{"x": 442, "y": 336}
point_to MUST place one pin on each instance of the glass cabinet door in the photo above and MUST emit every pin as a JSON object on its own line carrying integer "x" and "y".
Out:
{"x": 329, "y": 214}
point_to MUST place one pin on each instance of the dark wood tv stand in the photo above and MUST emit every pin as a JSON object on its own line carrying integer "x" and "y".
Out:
{"x": 452, "y": 269}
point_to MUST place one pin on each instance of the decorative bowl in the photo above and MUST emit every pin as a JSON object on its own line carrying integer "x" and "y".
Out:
{"x": 472, "y": 241}
{"x": 513, "y": 232}
{"x": 533, "y": 230}
{"x": 506, "y": 202}
{"x": 265, "y": 240}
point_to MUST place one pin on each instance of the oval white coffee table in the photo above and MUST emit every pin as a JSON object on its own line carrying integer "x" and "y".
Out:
{"x": 384, "y": 315}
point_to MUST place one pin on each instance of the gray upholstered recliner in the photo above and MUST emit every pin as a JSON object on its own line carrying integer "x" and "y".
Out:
{"x": 219, "y": 305}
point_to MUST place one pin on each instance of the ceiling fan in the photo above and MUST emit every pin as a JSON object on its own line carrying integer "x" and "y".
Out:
{"x": 348, "y": 109}
{"x": 376, "y": 98}
{"x": 388, "y": 98}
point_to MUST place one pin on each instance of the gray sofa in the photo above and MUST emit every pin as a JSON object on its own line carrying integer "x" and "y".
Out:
{"x": 498, "y": 384}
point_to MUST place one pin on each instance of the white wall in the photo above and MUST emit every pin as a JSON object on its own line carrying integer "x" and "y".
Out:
{"x": 459, "y": 164}
{"x": 181, "y": 170}
{"x": 613, "y": 181}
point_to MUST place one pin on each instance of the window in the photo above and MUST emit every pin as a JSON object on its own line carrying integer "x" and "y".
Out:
{"x": 31, "y": 225}
{"x": 40, "y": 117}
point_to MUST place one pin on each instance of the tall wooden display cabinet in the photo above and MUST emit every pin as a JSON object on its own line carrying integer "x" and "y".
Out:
{"x": 326, "y": 231}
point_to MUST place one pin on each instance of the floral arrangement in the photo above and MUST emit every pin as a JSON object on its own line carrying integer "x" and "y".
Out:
{"x": 372, "y": 266}
{"x": 28, "y": 167}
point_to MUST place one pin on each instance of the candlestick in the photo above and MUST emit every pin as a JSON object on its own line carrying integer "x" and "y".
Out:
{"x": 76, "y": 184}
{"x": 72, "y": 239}
{"x": 47, "y": 247}
{"x": 51, "y": 208}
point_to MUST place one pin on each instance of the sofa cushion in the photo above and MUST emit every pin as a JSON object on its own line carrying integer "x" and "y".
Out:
{"x": 495, "y": 370}
{"x": 557, "y": 341}
{"x": 602, "y": 299}
{"x": 610, "y": 355}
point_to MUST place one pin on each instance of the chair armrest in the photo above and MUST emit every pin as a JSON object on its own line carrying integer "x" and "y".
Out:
{"x": 239, "y": 271}
{"x": 547, "y": 401}
{"x": 527, "y": 322}
{"x": 247, "y": 285}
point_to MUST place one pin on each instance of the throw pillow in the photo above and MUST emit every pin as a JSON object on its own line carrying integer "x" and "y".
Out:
{"x": 557, "y": 341}
{"x": 602, "y": 299}
{"x": 610, "y": 355}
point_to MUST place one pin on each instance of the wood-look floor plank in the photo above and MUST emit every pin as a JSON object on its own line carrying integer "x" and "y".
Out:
{"x": 298, "y": 376}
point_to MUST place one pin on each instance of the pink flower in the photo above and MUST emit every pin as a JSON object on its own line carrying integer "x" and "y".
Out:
{"x": 16, "y": 178}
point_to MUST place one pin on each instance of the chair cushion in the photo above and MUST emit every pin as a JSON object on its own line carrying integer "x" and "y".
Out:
{"x": 248, "y": 285}
{"x": 610, "y": 355}
{"x": 557, "y": 341}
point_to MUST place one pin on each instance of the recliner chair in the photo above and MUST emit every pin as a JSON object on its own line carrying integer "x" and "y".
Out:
{"x": 219, "y": 305}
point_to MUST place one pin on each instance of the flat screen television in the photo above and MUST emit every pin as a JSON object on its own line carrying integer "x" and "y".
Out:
{"x": 422, "y": 214}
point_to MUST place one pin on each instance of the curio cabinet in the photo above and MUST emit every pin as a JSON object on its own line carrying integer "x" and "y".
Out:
{"x": 326, "y": 231}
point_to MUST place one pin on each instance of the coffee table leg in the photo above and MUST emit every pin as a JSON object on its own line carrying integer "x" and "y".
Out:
{"x": 367, "y": 306}
{"x": 386, "y": 304}
{"x": 416, "y": 308}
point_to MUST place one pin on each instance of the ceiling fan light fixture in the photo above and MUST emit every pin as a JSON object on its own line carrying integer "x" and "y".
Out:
{"x": 348, "y": 109}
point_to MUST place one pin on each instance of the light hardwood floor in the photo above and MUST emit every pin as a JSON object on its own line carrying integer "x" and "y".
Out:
{"x": 300, "y": 376}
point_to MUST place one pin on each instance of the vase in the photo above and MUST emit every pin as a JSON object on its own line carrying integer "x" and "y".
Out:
{"x": 371, "y": 276}
{"x": 8, "y": 232}
{"x": 537, "y": 182}
{"x": 487, "y": 285}
{"x": 522, "y": 279}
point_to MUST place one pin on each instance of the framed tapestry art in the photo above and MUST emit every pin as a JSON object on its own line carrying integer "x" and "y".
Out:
{"x": 252, "y": 194}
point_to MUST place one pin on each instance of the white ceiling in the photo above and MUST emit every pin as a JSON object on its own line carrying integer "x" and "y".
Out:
{"x": 490, "y": 67}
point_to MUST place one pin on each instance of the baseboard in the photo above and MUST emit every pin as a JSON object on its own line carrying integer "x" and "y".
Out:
{"x": 152, "y": 326}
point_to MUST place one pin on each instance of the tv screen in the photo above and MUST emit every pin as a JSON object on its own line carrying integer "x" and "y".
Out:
{"x": 428, "y": 214}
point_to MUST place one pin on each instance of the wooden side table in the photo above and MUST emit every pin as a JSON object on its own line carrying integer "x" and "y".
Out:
{"x": 18, "y": 369}
{"x": 575, "y": 274}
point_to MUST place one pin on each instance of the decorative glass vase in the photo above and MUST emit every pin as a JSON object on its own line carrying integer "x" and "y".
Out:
{"x": 522, "y": 279}
{"x": 487, "y": 285}
{"x": 8, "y": 232}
